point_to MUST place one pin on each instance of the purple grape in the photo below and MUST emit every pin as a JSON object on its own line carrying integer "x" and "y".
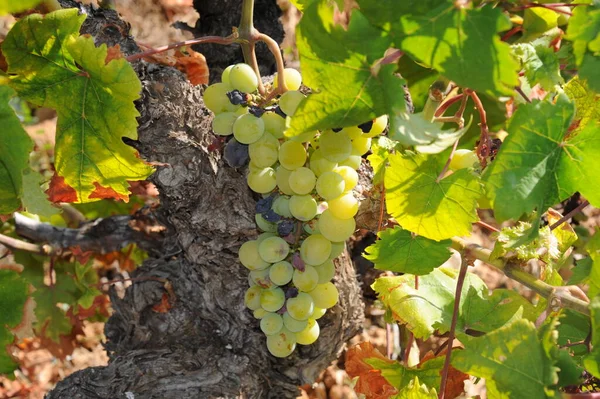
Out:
{"x": 264, "y": 204}
{"x": 279, "y": 112}
{"x": 271, "y": 216}
{"x": 256, "y": 111}
{"x": 236, "y": 97}
{"x": 297, "y": 262}
{"x": 285, "y": 227}
{"x": 291, "y": 292}
{"x": 236, "y": 154}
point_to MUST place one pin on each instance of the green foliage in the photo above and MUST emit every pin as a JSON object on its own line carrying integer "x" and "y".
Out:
{"x": 400, "y": 251}
{"x": 15, "y": 146}
{"x": 416, "y": 390}
{"x": 34, "y": 198}
{"x": 12, "y": 6}
{"x": 584, "y": 31}
{"x": 51, "y": 66}
{"x": 402, "y": 377}
{"x": 540, "y": 63}
{"x": 13, "y": 294}
{"x": 424, "y": 206}
{"x": 592, "y": 361}
{"x": 587, "y": 106}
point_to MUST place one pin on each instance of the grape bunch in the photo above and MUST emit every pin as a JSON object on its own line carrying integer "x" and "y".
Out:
{"x": 307, "y": 208}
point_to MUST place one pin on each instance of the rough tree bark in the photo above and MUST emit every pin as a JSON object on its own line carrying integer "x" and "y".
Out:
{"x": 207, "y": 345}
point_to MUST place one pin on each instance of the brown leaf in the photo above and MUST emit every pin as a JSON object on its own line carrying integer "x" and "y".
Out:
{"x": 113, "y": 53}
{"x": 164, "y": 305}
{"x": 455, "y": 385}
{"x": 59, "y": 191}
{"x": 81, "y": 256}
{"x": 25, "y": 328}
{"x": 107, "y": 192}
{"x": 194, "y": 65}
{"x": 370, "y": 381}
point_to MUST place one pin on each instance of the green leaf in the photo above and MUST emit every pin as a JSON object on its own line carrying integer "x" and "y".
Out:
{"x": 339, "y": 66}
{"x": 590, "y": 71}
{"x": 430, "y": 307}
{"x": 587, "y": 103}
{"x": 399, "y": 251}
{"x": 541, "y": 65}
{"x": 424, "y": 206}
{"x": 13, "y": 294}
{"x": 15, "y": 146}
{"x": 584, "y": 30}
{"x": 593, "y": 248}
{"x": 538, "y": 20}
{"x": 51, "y": 66}
{"x": 401, "y": 376}
{"x": 12, "y": 6}
{"x": 381, "y": 148}
{"x": 416, "y": 390}
{"x": 34, "y": 198}
{"x": 540, "y": 164}
{"x": 592, "y": 361}
{"x": 511, "y": 359}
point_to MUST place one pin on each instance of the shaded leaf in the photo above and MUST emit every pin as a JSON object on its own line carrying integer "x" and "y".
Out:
{"x": 587, "y": 102}
{"x": 34, "y": 199}
{"x": 12, "y": 6}
{"x": 592, "y": 361}
{"x": 14, "y": 291}
{"x": 540, "y": 63}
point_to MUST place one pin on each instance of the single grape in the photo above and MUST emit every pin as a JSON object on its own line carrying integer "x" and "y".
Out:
{"x": 271, "y": 323}
{"x": 243, "y": 78}
{"x": 272, "y": 299}
{"x": 262, "y": 181}
{"x": 260, "y": 313}
{"x": 264, "y": 225}
{"x": 225, "y": 74}
{"x": 271, "y": 216}
{"x": 252, "y": 297}
{"x": 344, "y": 206}
{"x": 303, "y": 207}
{"x": 352, "y": 132}
{"x": 463, "y": 159}
{"x": 310, "y": 334}
{"x": 222, "y": 124}
{"x": 292, "y": 78}
{"x": 315, "y": 249}
{"x": 281, "y": 344}
{"x": 215, "y": 98}
{"x": 379, "y": 125}
{"x": 353, "y": 161}
{"x": 263, "y": 236}
{"x": 249, "y": 256}
{"x": 274, "y": 124}
{"x": 306, "y": 280}
{"x": 236, "y": 97}
{"x": 292, "y": 324}
{"x": 281, "y": 206}
{"x": 292, "y": 155}
{"x": 248, "y": 128}
{"x": 335, "y": 147}
{"x": 325, "y": 270}
{"x": 285, "y": 227}
{"x": 324, "y": 295}
{"x": 282, "y": 177}
{"x": 273, "y": 249}
{"x": 300, "y": 307}
{"x": 265, "y": 151}
{"x": 281, "y": 273}
{"x": 319, "y": 165}
{"x": 261, "y": 278}
{"x": 264, "y": 204}
{"x": 362, "y": 144}
{"x": 317, "y": 314}
{"x": 290, "y": 100}
{"x": 330, "y": 185}
{"x": 336, "y": 249}
{"x": 236, "y": 154}
{"x": 334, "y": 228}
{"x": 350, "y": 176}
{"x": 302, "y": 180}
{"x": 311, "y": 227}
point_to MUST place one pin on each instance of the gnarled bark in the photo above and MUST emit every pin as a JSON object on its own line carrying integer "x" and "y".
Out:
{"x": 207, "y": 344}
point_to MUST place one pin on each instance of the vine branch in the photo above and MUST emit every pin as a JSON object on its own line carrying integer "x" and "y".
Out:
{"x": 16, "y": 244}
{"x": 199, "y": 40}
{"x": 569, "y": 215}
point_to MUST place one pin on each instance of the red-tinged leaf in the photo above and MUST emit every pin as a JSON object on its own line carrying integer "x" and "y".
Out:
{"x": 164, "y": 305}
{"x": 370, "y": 381}
{"x": 113, "y": 53}
{"x": 194, "y": 65}
{"x": 107, "y": 192}
{"x": 100, "y": 307}
{"x": 455, "y": 384}
{"x": 82, "y": 256}
{"x": 60, "y": 191}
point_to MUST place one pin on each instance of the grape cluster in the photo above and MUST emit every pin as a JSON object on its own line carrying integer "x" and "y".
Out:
{"x": 307, "y": 208}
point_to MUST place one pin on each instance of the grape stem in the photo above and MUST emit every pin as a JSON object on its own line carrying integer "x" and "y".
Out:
{"x": 483, "y": 148}
{"x": 199, "y": 40}
{"x": 569, "y": 215}
{"x": 16, "y": 244}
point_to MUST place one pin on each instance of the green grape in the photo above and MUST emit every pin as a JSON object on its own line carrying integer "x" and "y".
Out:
{"x": 215, "y": 98}
{"x": 261, "y": 278}
{"x": 361, "y": 144}
{"x": 344, "y": 206}
{"x": 222, "y": 124}
{"x": 274, "y": 124}
{"x": 281, "y": 273}
{"x": 301, "y": 307}
{"x": 273, "y": 249}
{"x": 336, "y": 249}
{"x": 379, "y": 125}
{"x": 335, "y": 229}
{"x": 282, "y": 177}
{"x": 353, "y": 161}
{"x": 350, "y": 176}
{"x": 303, "y": 207}
{"x": 292, "y": 155}
{"x": 320, "y": 165}
{"x": 325, "y": 270}
{"x": 315, "y": 249}
{"x": 252, "y": 297}
{"x": 248, "y": 128}
{"x": 263, "y": 236}
{"x": 335, "y": 147}
{"x": 324, "y": 296}
{"x": 260, "y": 313}
{"x": 265, "y": 151}
{"x": 307, "y": 280}
{"x": 225, "y": 74}
{"x": 310, "y": 334}
{"x": 292, "y": 78}
{"x": 352, "y": 132}
{"x": 272, "y": 299}
{"x": 317, "y": 314}
{"x": 302, "y": 180}
{"x": 262, "y": 181}
{"x": 243, "y": 78}
{"x": 281, "y": 206}
{"x": 265, "y": 226}
{"x": 249, "y": 256}
{"x": 330, "y": 185}
{"x": 241, "y": 111}
{"x": 289, "y": 102}
{"x": 463, "y": 159}
{"x": 311, "y": 227}
{"x": 292, "y": 324}
{"x": 294, "y": 136}
{"x": 281, "y": 344}
{"x": 271, "y": 323}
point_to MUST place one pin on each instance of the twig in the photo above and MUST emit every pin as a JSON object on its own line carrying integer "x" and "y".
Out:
{"x": 483, "y": 149}
{"x": 409, "y": 345}
{"x": 199, "y": 40}
{"x": 459, "y": 286}
{"x": 16, "y": 244}
{"x": 72, "y": 215}
{"x": 249, "y": 34}
{"x": 522, "y": 93}
{"x": 514, "y": 271}
{"x": 511, "y": 33}
{"x": 447, "y": 165}
{"x": 549, "y": 6}
{"x": 487, "y": 226}
{"x": 381, "y": 208}
{"x": 570, "y": 214}
{"x": 276, "y": 51}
